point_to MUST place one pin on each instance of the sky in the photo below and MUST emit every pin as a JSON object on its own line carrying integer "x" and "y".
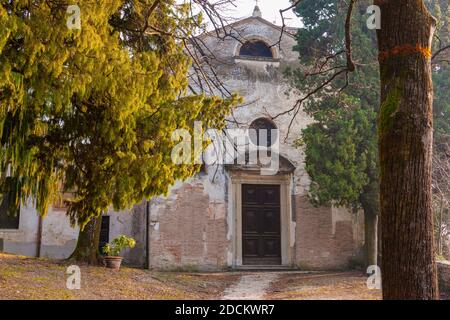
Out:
{"x": 270, "y": 11}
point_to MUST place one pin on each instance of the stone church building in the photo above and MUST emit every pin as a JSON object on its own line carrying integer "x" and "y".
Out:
{"x": 227, "y": 216}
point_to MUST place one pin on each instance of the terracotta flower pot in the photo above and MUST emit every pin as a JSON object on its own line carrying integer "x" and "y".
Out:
{"x": 113, "y": 262}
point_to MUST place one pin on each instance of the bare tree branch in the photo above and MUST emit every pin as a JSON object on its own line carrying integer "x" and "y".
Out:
{"x": 441, "y": 50}
{"x": 319, "y": 67}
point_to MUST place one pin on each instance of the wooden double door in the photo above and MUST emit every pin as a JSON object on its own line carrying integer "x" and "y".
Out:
{"x": 261, "y": 225}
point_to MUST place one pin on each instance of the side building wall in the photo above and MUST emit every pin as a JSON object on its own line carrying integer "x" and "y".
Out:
{"x": 59, "y": 238}
{"x": 24, "y": 240}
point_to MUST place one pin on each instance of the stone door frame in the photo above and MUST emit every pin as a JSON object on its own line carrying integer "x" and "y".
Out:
{"x": 237, "y": 179}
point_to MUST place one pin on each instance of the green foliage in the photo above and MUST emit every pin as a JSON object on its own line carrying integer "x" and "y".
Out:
{"x": 341, "y": 154}
{"x": 323, "y": 36}
{"x": 341, "y": 144}
{"x": 115, "y": 247}
{"x": 322, "y": 26}
{"x": 92, "y": 111}
{"x": 441, "y": 73}
{"x": 338, "y": 173}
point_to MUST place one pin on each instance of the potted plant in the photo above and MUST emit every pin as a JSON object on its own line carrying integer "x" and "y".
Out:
{"x": 114, "y": 248}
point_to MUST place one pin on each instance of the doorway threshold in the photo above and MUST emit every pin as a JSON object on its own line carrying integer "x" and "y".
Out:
{"x": 264, "y": 268}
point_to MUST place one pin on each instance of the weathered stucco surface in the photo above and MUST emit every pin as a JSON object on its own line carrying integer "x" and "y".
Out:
{"x": 24, "y": 240}
{"x": 59, "y": 238}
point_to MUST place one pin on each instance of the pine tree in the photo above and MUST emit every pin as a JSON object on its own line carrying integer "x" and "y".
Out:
{"x": 341, "y": 144}
{"x": 92, "y": 111}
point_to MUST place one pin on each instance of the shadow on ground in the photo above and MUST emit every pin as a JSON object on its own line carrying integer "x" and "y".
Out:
{"x": 30, "y": 278}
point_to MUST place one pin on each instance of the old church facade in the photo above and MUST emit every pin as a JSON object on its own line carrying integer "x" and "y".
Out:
{"x": 227, "y": 216}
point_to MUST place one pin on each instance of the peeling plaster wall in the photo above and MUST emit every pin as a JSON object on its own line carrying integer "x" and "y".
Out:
{"x": 59, "y": 238}
{"x": 132, "y": 224}
{"x": 22, "y": 241}
{"x": 263, "y": 86}
{"x": 189, "y": 228}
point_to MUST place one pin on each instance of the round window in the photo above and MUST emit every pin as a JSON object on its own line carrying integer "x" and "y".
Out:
{"x": 261, "y": 133}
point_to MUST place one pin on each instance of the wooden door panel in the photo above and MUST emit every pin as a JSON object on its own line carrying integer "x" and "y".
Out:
{"x": 250, "y": 194}
{"x": 251, "y": 247}
{"x": 250, "y": 221}
{"x": 271, "y": 247}
{"x": 270, "y": 221}
{"x": 270, "y": 195}
{"x": 261, "y": 227}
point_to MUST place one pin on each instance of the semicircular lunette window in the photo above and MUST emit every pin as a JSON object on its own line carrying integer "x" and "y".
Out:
{"x": 256, "y": 48}
{"x": 263, "y": 138}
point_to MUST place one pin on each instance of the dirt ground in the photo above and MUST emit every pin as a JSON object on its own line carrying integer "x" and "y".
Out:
{"x": 30, "y": 278}
{"x": 322, "y": 286}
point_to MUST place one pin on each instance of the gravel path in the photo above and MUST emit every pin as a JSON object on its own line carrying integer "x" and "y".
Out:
{"x": 250, "y": 286}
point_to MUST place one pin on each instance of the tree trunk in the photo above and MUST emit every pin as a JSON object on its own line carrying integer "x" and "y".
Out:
{"x": 86, "y": 250}
{"x": 370, "y": 203}
{"x": 370, "y": 238}
{"x": 379, "y": 241}
{"x": 441, "y": 223}
{"x": 405, "y": 145}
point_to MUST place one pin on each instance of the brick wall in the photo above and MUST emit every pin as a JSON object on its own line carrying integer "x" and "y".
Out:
{"x": 318, "y": 246}
{"x": 189, "y": 231}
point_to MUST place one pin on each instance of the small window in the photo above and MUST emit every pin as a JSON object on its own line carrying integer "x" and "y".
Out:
{"x": 262, "y": 124}
{"x": 9, "y": 209}
{"x": 256, "y": 49}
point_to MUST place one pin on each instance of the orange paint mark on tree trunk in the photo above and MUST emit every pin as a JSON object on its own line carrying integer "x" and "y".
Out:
{"x": 405, "y": 49}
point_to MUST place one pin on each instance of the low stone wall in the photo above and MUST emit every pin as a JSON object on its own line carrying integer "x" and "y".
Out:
{"x": 444, "y": 275}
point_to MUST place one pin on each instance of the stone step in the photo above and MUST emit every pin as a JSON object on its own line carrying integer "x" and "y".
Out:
{"x": 265, "y": 268}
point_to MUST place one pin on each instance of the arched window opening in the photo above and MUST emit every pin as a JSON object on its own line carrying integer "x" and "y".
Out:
{"x": 256, "y": 49}
{"x": 256, "y": 135}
